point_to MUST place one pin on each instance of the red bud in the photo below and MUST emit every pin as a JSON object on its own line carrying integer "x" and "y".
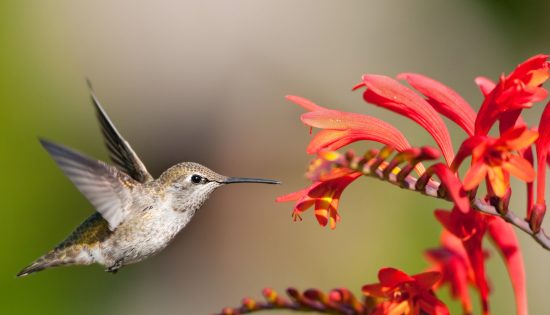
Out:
{"x": 537, "y": 215}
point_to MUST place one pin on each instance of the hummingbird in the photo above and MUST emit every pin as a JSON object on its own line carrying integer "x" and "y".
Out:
{"x": 136, "y": 215}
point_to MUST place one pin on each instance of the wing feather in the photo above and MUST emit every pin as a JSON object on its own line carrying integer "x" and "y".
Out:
{"x": 120, "y": 151}
{"x": 107, "y": 188}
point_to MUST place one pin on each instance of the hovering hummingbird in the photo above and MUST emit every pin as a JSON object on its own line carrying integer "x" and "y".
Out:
{"x": 137, "y": 216}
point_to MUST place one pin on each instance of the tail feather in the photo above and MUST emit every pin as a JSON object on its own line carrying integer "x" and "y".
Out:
{"x": 47, "y": 261}
{"x": 57, "y": 257}
{"x": 34, "y": 267}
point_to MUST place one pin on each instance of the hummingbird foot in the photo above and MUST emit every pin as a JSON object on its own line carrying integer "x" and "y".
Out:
{"x": 114, "y": 268}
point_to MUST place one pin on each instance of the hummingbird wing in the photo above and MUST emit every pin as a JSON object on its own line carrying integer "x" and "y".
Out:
{"x": 107, "y": 188}
{"x": 120, "y": 151}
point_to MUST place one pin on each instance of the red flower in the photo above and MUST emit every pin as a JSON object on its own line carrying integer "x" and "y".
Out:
{"x": 519, "y": 90}
{"x": 339, "y": 129}
{"x": 470, "y": 228}
{"x": 543, "y": 145}
{"x": 323, "y": 195}
{"x": 504, "y": 237}
{"x": 461, "y": 259}
{"x": 494, "y": 158}
{"x": 342, "y": 128}
{"x": 444, "y": 100}
{"x": 451, "y": 260}
{"x": 406, "y": 294}
{"x": 536, "y": 213}
{"x": 389, "y": 93}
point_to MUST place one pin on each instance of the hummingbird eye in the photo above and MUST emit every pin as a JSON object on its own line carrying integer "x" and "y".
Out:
{"x": 196, "y": 179}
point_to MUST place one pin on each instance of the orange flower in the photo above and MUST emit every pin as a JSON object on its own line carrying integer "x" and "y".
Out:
{"x": 388, "y": 93}
{"x": 342, "y": 128}
{"x": 495, "y": 159}
{"x": 519, "y": 90}
{"x": 324, "y": 195}
{"x": 406, "y": 294}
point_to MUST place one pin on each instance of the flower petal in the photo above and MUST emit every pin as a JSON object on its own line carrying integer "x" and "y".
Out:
{"x": 444, "y": 100}
{"x": 476, "y": 256}
{"x": 520, "y": 168}
{"x": 452, "y": 261}
{"x": 543, "y": 145}
{"x": 391, "y": 277}
{"x": 305, "y": 103}
{"x": 453, "y": 186}
{"x": 444, "y": 217}
{"x": 352, "y": 127}
{"x": 518, "y": 138}
{"x": 332, "y": 140}
{"x": 507, "y": 243}
{"x": 429, "y": 304}
{"x": 427, "y": 280}
{"x": 466, "y": 148}
{"x": 292, "y": 196}
{"x": 375, "y": 289}
{"x": 515, "y": 92}
{"x": 322, "y": 211}
{"x": 389, "y": 93}
{"x": 486, "y": 85}
{"x": 528, "y": 155}
{"x": 475, "y": 174}
{"x": 498, "y": 180}
{"x": 533, "y": 70}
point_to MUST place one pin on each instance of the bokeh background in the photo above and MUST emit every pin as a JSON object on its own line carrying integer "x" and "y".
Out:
{"x": 205, "y": 81}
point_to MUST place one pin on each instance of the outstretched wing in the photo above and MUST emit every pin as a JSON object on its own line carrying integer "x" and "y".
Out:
{"x": 120, "y": 151}
{"x": 107, "y": 188}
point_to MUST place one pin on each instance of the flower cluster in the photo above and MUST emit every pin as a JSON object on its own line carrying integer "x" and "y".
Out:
{"x": 495, "y": 156}
{"x": 480, "y": 192}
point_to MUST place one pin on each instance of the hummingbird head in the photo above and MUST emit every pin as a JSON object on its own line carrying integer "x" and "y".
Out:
{"x": 191, "y": 184}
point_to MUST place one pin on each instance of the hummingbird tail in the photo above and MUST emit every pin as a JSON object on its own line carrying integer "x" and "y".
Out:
{"x": 56, "y": 258}
{"x": 34, "y": 267}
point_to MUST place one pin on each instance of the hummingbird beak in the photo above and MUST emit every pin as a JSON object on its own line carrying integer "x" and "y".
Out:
{"x": 235, "y": 180}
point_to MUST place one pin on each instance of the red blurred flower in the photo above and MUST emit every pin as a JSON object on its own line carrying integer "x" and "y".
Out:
{"x": 406, "y": 294}
{"x": 504, "y": 237}
{"x": 324, "y": 195}
{"x": 495, "y": 159}
{"x": 470, "y": 228}
{"x": 519, "y": 90}
{"x": 451, "y": 260}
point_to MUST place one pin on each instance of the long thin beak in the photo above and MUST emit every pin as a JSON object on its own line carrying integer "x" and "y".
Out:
{"x": 235, "y": 180}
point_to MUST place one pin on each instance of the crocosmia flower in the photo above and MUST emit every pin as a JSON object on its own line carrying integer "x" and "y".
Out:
{"x": 324, "y": 196}
{"x": 496, "y": 159}
{"x": 404, "y": 294}
{"x": 342, "y": 128}
{"x": 451, "y": 260}
{"x": 460, "y": 261}
{"x": 519, "y": 90}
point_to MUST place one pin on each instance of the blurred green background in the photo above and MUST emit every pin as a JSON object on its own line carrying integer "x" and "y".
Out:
{"x": 205, "y": 81}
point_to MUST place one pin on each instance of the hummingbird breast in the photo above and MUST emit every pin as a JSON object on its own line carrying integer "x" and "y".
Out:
{"x": 142, "y": 235}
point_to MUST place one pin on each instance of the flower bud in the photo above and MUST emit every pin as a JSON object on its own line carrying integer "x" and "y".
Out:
{"x": 537, "y": 215}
